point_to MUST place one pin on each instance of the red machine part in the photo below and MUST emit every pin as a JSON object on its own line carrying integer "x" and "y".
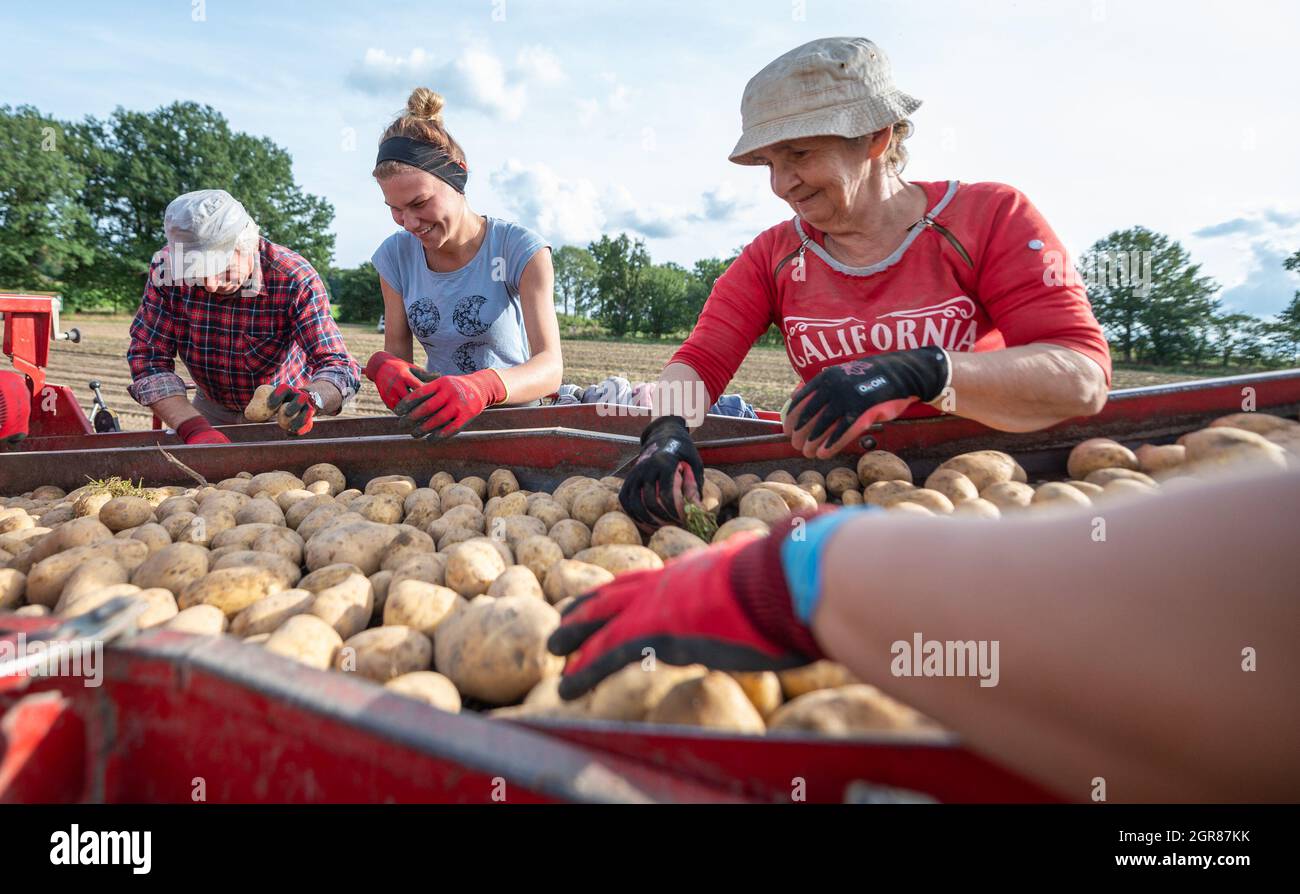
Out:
{"x": 275, "y": 732}
{"x": 42, "y": 750}
{"x": 550, "y": 443}
{"x": 30, "y": 322}
{"x": 175, "y": 719}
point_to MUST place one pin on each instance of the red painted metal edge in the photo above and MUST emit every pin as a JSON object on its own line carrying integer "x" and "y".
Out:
{"x": 779, "y": 767}
{"x": 179, "y": 715}
{"x": 1151, "y": 414}
{"x": 586, "y": 417}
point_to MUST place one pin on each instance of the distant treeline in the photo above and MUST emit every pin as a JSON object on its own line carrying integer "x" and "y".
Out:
{"x": 81, "y": 210}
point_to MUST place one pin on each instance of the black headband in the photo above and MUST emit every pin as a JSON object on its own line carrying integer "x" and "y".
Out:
{"x": 425, "y": 156}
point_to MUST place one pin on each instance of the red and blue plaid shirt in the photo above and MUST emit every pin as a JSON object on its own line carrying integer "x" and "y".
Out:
{"x": 276, "y": 329}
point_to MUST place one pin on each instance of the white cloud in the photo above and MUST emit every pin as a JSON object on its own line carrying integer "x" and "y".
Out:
{"x": 1268, "y": 287}
{"x": 587, "y": 110}
{"x": 566, "y": 211}
{"x": 617, "y": 101}
{"x": 655, "y": 219}
{"x": 618, "y": 98}
{"x": 475, "y": 78}
{"x": 723, "y": 203}
{"x": 575, "y": 211}
{"x": 1246, "y": 253}
{"x": 540, "y": 64}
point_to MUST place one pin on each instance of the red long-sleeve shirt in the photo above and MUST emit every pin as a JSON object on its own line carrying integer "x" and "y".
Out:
{"x": 1018, "y": 288}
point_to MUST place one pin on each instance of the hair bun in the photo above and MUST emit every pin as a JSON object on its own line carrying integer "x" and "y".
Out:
{"x": 425, "y": 103}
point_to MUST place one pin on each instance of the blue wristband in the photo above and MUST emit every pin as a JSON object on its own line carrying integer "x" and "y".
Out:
{"x": 801, "y": 558}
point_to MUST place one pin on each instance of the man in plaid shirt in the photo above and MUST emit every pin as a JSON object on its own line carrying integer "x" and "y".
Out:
{"x": 241, "y": 312}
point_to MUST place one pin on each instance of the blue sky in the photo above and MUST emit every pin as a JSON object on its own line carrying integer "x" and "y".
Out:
{"x": 588, "y": 117}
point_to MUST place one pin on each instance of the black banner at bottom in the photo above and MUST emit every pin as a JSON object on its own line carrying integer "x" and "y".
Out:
{"x": 210, "y": 842}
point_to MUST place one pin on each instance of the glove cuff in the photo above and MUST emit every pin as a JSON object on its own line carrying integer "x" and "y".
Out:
{"x": 758, "y": 579}
{"x": 932, "y": 370}
{"x": 378, "y": 361}
{"x": 665, "y": 425}
{"x": 494, "y": 384}
{"x": 192, "y": 426}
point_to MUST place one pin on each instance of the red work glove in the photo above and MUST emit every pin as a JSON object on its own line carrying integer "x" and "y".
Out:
{"x": 197, "y": 430}
{"x": 394, "y": 377}
{"x": 842, "y": 402}
{"x": 15, "y": 408}
{"x": 442, "y": 407}
{"x": 294, "y": 408}
{"x": 726, "y": 607}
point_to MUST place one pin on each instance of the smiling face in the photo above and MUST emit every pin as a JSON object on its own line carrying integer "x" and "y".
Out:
{"x": 423, "y": 205}
{"x": 823, "y": 178}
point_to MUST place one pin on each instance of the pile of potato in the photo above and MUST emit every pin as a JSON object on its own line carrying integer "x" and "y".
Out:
{"x": 990, "y": 483}
{"x": 447, "y": 592}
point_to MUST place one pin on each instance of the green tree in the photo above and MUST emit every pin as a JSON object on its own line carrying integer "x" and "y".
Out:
{"x": 1289, "y": 318}
{"x": 42, "y": 222}
{"x": 1231, "y": 332}
{"x": 703, "y": 276}
{"x": 1148, "y": 295}
{"x": 355, "y": 292}
{"x": 137, "y": 162}
{"x": 1254, "y": 343}
{"x": 621, "y": 264}
{"x": 576, "y": 273}
{"x": 663, "y": 299}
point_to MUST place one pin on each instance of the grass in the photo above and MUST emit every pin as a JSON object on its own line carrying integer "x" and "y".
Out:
{"x": 117, "y": 487}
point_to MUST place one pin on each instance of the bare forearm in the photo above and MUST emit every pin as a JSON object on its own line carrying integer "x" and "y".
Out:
{"x": 1120, "y": 657}
{"x": 399, "y": 345}
{"x": 681, "y": 392}
{"x": 174, "y": 410}
{"x": 537, "y": 377}
{"x": 1024, "y": 388}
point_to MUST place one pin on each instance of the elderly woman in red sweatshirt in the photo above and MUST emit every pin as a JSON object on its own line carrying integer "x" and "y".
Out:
{"x": 886, "y": 291}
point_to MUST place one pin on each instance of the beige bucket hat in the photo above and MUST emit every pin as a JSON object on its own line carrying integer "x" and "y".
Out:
{"x": 839, "y": 86}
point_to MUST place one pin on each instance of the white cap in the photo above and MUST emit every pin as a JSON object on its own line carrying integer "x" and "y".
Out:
{"x": 209, "y": 224}
{"x": 836, "y": 86}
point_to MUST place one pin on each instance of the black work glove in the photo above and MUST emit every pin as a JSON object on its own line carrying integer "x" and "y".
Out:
{"x": 668, "y": 472}
{"x": 842, "y": 402}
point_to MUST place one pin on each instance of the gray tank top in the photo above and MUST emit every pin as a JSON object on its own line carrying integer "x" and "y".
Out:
{"x": 469, "y": 319}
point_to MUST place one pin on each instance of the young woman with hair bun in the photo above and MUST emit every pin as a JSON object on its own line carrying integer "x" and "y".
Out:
{"x": 476, "y": 291}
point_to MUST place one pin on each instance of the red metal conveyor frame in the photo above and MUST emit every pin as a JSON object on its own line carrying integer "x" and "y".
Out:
{"x": 259, "y": 728}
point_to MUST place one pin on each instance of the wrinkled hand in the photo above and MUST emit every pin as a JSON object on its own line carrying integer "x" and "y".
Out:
{"x": 440, "y": 408}
{"x": 394, "y": 377}
{"x": 842, "y": 402}
{"x": 293, "y": 407}
{"x": 668, "y": 472}
{"x": 727, "y": 607}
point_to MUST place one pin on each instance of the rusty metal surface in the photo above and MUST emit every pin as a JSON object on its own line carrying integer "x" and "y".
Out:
{"x": 629, "y": 421}
{"x": 545, "y": 456}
